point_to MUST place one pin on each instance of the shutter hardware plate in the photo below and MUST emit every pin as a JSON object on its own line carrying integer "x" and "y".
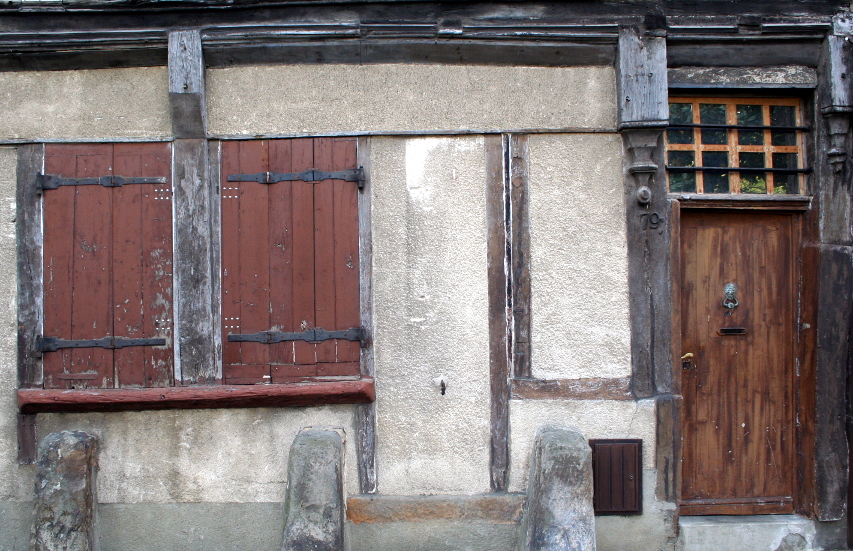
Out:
{"x": 52, "y": 344}
{"x": 310, "y": 175}
{"x": 311, "y": 335}
{"x": 50, "y": 181}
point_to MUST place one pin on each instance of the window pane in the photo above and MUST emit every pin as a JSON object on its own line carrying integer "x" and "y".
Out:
{"x": 714, "y": 137}
{"x": 750, "y": 115}
{"x": 679, "y": 136}
{"x": 715, "y": 158}
{"x": 783, "y": 115}
{"x": 784, "y": 160}
{"x": 680, "y": 113}
{"x": 785, "y": 183}
{"x": 682, "y": 158}
{"x": 751, "y": 160}
{"x": 753, "y": 183}
{"x": 716, "y": 182}
{"x": 682, "y": 182}
{"x": 712, "y": 113}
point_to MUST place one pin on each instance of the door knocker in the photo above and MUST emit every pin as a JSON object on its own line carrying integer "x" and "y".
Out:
{"x": 730, "y": 301}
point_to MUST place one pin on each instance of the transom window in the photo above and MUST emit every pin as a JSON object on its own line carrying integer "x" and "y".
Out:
{"x": 735, "y": 145}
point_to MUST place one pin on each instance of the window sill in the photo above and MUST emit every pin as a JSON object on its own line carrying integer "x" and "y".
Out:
{"x": 309, "y": 393}
{"x": 743, "y": 201}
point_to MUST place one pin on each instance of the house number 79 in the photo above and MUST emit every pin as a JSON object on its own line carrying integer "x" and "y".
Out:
{"x": 651, "y": 220}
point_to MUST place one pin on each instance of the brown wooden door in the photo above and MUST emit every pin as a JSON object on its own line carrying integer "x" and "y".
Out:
{"x": 738, "y": 386}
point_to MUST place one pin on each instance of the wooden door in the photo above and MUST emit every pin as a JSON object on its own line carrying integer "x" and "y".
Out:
{"x": 738, "y": 386}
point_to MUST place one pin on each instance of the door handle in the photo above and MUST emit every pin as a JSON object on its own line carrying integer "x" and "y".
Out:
{"x": 686, "y": 362}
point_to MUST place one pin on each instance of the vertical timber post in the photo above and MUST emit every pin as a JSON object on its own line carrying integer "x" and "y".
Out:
{"x": 197, "y": 357}
{"x": 835, "y": 272}
{"x": 642, "y": 90}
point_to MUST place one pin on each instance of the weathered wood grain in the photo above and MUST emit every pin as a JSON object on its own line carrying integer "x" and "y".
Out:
{"x": 30, "y": 263}
{"x": 186, "y": 85}
{"x": 366, "y": 413}
{"x": 214, "y": 166}
{"x": 641, "y": 80}
{"x": 519, "y": 220}
{"x": 571, "y": 389}
{"x": 195, "y": 304}
{"x": 310, "y": 393}
{"x": 837, "y": 58}
{"x": 687, "y": 52}
{"x": 498, "y": 322}
{"x": 835, "y": 302}
{"x": 27, "y": 440}
{"x": 786, "y": 77}
{"x": 667, "y": 453}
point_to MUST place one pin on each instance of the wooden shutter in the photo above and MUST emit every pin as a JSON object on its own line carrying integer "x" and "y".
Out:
{"x": 617, "y": 476}
{"x": 108, "y": 266}
{"x": 289, "y": 260}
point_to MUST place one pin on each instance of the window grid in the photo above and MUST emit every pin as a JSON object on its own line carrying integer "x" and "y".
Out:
{"x": 733, "y": 146}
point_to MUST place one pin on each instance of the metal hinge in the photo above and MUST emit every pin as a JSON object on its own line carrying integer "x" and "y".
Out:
{"x": 50, "y": 181}
{"x": 52, "y": 344}
{"x": 311, "y": 335}
{"x": 310, "y": 175}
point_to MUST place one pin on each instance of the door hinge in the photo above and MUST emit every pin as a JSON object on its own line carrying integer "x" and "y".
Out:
{"x": 310, "y": 175}
{"x": 52, "y": 344}
{"x": 50, "y": 181}
{"x": 311, "y": 335}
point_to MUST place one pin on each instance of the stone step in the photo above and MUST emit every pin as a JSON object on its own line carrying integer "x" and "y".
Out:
{"x": 746, "y": 533}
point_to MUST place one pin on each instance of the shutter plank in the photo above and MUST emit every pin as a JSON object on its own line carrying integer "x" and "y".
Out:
{"x": 324, "y": 250}
{"x": 231, "y": 320}
{"x": 58, "y": 263}
{"x": 154, "y": 159}
{"x": 347, "y": 312}
{"x": 303, "y": 260}
{"x": 253, "y": 255}
{"x": 128, "y": 301}
{"x": 91, "y": 314}
{"x": 281, "y": 258}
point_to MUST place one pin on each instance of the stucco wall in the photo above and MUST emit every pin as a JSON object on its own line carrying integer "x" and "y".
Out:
{"x": 85, "y": 105}
{"x": 311, "y": 99}
{"x": 429, "y": 243}
{"x": 578, "y": 257}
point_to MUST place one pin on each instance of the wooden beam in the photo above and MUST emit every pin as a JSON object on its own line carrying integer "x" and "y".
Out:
{"x": 309, "y": 393}
{"x": 783, "y": 77}
{"x": 366, "y": 413}
{"x": 571, "y": 389}
{"x": 641, "y": 80}
{"x": 837, "y": 69}
{"x": 496, "y": 256}
{"x": 690, "y": 52}
{"x": 668, "y": 437}
{"x": 27, "y": 441}
{"x": 186, "y": 85}
{"x": 835, "y": 302}
{"x": 30, "y": 264}
{"x": 519, "y": 220}
{"x": 196, "y": 272}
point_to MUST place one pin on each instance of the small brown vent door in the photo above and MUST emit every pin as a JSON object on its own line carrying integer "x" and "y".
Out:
{"x": 289, "y": 260}
{"x": 617, "y": 476}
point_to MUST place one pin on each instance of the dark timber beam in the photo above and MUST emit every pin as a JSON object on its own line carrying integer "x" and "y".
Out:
{"x": 643, "y": 114}
{"x": 186, "y": 85}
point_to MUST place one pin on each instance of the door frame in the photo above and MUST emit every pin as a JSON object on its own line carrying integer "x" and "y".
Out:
{"x": 805, "y": 274}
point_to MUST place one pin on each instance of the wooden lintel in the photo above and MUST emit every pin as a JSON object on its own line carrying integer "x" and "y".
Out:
{"x": 755, "y": 202}
{"x": 186, "y": 85}
{"x": 691, "y": 52}
{"x": 641, "y": 80}
{"x": 571, "y": 389}
{"x": 496, "y": 259}
{"x": 30, "y": 263}
{"x": 357, "y": 391}
{"x": 783, "y": 77}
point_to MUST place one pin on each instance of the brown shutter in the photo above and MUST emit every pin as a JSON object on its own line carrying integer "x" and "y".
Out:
{"x": 617, "y": 476}
{"x": 289, "y": 260}
{"x": 108, "y": 266}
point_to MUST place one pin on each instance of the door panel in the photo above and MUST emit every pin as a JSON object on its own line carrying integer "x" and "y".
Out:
{"x": 738, "y": 386}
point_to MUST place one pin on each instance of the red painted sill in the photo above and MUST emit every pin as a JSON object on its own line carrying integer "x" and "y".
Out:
{"x": 309, "y": 393}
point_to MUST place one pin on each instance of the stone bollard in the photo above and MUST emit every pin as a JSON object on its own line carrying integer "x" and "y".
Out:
{"x": 559, "y": 513}
{"x": 314, "y": 507}
{"x": 66, "y": 496}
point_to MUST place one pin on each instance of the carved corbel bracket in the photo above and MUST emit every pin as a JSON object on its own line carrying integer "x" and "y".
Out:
{"x": 838, "y": 124}
{"x": 642, "y": 145}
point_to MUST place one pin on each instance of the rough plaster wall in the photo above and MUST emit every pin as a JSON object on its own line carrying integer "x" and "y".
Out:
{"x": 578, "y": 257}
{"x": 306, "y": 99}
{"x": 429, "y": 243}
{"x": 593, "y": 418}
{"x": 217, "y": 455}
{"x": 16, "y": 482}
{"x": 654, "y": 530}
{"x": 85, "y": 105}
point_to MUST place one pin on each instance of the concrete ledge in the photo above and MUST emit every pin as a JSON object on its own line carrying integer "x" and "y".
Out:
{"x": 494, "y": 508}
{"x": 753, "y": 532}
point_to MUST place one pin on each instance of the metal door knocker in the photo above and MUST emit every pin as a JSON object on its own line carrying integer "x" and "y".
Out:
{"x": 730, "y": 301}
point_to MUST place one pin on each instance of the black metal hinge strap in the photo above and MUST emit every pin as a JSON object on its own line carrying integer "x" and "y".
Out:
{"x": 311, "y": 335}
{"x": 50, "y": 181}
{"x": 52, "y": 344}
{"x": 310, "y": 175}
